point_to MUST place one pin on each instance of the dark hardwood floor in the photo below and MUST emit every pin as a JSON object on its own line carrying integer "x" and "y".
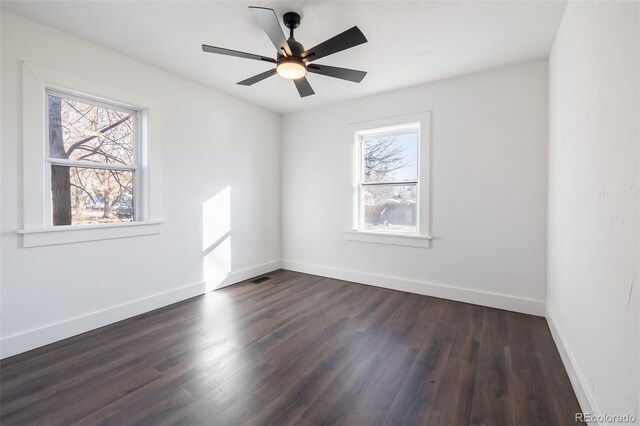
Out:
{"x": 298, "y": 349}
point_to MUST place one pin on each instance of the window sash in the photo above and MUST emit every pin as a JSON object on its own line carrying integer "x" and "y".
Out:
{"x": 400, "y": 131}
{"x": 361, "y": 211}
{"x": 135, "y": 190}
{"x": 102, "y": 104}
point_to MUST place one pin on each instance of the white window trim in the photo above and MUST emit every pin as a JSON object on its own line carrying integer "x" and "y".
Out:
{"x": 391, "y": 239}
{"x": 422, "y": 239}
{"x": 81, "y": 233}
{"x": 37, "y": 229}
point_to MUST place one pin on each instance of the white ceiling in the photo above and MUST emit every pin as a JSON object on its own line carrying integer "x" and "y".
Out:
{"x": 410, "y": 42}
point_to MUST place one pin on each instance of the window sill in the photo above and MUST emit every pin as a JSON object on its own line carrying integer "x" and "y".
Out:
{"x": 78, "y": 234}
{"x": 420, "y": 241}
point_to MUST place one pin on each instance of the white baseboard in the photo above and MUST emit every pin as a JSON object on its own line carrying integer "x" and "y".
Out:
{"x": 50, "y": 333}
{"x": 476, "y": 297}
{"x": 578, "y": 381}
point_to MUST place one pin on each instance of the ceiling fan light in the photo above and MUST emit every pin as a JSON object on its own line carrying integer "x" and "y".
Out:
{"x": 291, "y": 70}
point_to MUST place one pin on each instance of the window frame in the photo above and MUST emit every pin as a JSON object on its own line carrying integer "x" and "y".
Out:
{"x": 361, "y": 181}
{"x": 137, "y": 191}
{"x": 355, "y": 231}
{"x": 37, "y": 229}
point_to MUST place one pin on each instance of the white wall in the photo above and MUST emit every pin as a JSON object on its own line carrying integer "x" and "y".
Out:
{"x": 594, "y": 289}
{"x": 488, "y": 209}
{"x": 210, "y": 142}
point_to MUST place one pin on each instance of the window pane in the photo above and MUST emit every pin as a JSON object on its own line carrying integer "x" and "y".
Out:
{"x": 390, "y": 158}
{"x": 390, "y": 208}
{"x": 81, "y": 131}
{"x": 82, "y": 196}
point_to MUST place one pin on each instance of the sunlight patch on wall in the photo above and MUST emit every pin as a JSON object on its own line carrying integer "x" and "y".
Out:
{"x": 216, "y": 238}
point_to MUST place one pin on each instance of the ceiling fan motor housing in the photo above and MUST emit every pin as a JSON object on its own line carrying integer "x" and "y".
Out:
{"x": 296, "y": 48}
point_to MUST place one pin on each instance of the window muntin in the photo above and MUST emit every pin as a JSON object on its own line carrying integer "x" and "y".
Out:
{"x": 92, "y": 161}
{"x": 388, "y": 179}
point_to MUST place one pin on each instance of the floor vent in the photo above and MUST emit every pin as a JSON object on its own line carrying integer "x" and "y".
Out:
{"x": 260, "y": 279}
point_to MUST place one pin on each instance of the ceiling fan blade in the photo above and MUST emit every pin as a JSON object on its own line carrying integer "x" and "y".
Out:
{"x": 342, "y": 73}
{"x": 269, "y": 22}
{"x": 303, "y": 86}
{"x": 257, "y": 78}
{"x": 346, "y": 40}
{"x": 229, "y": 52}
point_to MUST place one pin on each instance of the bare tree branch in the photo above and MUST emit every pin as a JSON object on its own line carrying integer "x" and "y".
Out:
{"x": 382, "y": 156}
{"x": 87, "y": 139}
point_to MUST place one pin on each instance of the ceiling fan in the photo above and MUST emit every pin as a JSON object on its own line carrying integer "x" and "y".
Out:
{"x": 292, "y": 60}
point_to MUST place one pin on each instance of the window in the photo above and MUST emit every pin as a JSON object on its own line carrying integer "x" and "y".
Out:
{"x": 391, "y": 181}
{"x": 72, "y": 173}
{"x": 93, "y": 161}
{"x": 388, "y": 194}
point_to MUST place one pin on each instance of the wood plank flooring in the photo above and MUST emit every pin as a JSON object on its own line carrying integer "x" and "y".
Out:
{"x": 297, "y": 349}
